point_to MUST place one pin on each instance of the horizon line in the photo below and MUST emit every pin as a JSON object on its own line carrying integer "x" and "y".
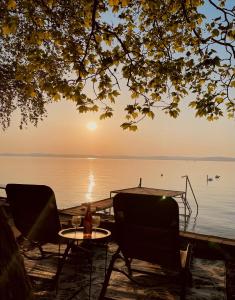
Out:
{"x": 150, "y": 157}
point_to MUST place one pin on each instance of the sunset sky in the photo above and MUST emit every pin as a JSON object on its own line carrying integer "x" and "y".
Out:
{"x": 65, "y": 131}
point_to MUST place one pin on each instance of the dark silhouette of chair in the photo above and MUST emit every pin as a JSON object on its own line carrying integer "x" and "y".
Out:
{"x": 147, "y": 229}
{"x": 35, "y": 215}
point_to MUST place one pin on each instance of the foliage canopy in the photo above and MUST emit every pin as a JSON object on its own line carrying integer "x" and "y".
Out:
{"x": 84, "y": 50}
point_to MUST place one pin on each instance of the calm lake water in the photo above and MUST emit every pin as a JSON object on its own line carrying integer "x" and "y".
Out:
{"x": 78, "y": 180}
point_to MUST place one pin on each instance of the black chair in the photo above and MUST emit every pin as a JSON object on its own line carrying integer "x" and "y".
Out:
{"x": 35, "y": 215}
{"x": 147, "y": 229}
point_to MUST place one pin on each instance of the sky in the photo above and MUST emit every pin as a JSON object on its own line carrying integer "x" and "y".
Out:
{"x": 65, "y": 131}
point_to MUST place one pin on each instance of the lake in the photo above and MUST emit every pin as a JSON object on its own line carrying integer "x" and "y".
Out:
{"x": 78, "y": 180}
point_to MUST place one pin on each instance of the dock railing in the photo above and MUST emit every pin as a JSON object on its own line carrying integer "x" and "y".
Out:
{"x": 188, "y": 184}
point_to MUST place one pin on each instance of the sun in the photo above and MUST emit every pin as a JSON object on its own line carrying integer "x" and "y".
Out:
{"x": 91, "y": 126}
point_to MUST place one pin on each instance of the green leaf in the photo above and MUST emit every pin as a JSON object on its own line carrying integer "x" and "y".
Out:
{"x": 133, "y": 128}
{"x": 11, "y": 4}
{"x": 215, "y": 32}
{"x": 151, "y": 114}
{"x": 106, "y": 115}
{"x": 219, "y": 100}
{"x": 125, "y": 125}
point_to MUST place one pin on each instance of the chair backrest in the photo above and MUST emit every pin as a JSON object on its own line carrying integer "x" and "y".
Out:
{"x": 147, "y": 228}
{"x": 34, "y": 211}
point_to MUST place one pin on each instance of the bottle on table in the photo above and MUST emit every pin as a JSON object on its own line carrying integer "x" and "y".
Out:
{"x": 87, "y": 223}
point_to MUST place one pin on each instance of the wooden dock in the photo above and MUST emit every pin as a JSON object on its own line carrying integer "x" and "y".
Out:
{"x": 104, "y": 205}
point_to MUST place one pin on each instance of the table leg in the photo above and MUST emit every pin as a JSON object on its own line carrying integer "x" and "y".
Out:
{"x": 106, "y": 259}
{"x": 91, "y": 262}
{"x": 61, "y": 263}
{"x": 90, "y": 280}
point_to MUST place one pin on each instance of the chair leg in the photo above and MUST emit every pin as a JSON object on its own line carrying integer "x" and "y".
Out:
{"x": 128, "y": 264}
{"x": 31, "y": 246}
{"x": 186, "y": 280}
{"x": 108, "y": 275}
{"x": 41, "y": 251}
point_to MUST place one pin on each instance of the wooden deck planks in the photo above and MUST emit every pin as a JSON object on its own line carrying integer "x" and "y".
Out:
{"x": 209, "y": 238}
{"x": 96, "y": 206}
{"x": 150, "y": 191}
{"x": 76, "y": 271}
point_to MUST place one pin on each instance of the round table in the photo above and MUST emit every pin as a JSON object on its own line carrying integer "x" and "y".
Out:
{"x": 77, "y": 234}
{"x": 71, "y": 235}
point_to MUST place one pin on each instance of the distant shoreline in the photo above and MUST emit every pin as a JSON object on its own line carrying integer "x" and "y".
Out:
{"x": 160, "y": 157}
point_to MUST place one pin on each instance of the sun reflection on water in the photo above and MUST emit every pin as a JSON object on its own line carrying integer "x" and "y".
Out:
{"x": 90, "y": 186}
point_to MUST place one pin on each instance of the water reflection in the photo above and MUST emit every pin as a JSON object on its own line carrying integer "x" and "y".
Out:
{"x": 90, "y": 186}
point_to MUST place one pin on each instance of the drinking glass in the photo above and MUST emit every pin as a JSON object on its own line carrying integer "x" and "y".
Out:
{"x": 95, "y": 222}
{"x": 76, "y": 221}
